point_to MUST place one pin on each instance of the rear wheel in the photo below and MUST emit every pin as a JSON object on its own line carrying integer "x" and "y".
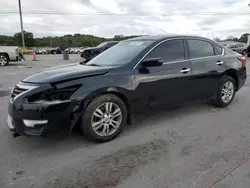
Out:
{"x": 226, "y": 91}
{"x": 104, "y": 118}
{"x": 4, "y": 59}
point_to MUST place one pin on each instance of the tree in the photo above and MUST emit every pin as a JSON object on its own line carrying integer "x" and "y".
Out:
{"x": 232, "y": 38}
{"x": 243, "y": 38}
{"x": 216, "y": 39}
{"x": 118, "y": 37}
{"x": 28, "y": 38}
{"x": 77, "y": 35}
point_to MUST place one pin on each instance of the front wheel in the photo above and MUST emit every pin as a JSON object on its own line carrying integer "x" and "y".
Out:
{"x": 104, "y": 118}
{"x": 226, "y": 91}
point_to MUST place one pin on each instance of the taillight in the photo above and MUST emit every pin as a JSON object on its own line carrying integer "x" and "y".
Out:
{"x": 243, "y": 61}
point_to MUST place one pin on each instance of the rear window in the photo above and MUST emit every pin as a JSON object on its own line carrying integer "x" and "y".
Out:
{"x": 200, "y": 48}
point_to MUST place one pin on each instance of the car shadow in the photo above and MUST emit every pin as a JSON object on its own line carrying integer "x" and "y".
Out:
{"x": 149, "y": 119}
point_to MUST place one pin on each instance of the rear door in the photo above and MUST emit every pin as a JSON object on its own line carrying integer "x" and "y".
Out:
{"x": 207, "y": 66}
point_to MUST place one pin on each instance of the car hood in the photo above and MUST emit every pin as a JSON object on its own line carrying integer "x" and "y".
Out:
{"x": 66, "y": 72}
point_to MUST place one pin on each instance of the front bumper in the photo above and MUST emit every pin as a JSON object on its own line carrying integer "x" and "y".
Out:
{"x": 56, "y": 118}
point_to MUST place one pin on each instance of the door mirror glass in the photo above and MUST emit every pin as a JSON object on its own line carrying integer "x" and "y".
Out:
{"x": 152, "y": 62}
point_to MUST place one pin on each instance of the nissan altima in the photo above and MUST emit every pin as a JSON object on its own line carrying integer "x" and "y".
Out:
{"x": 134, "y": 75}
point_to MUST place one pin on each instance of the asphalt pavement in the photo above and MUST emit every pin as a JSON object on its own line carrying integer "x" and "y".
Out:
{"x": 189, "y": 146}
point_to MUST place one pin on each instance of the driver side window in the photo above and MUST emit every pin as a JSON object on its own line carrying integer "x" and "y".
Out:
{"x": 169, "y": 51}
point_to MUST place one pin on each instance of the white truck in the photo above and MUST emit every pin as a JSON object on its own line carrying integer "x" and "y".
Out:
{"x": 7, "y": 54}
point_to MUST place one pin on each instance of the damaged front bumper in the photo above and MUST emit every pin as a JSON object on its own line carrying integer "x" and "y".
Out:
{"x": 40, "y": 119}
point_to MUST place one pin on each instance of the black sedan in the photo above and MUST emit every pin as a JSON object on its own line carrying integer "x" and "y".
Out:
{"x": 56, "y": 51}
{"x": 134, "y": 75}
{"x": 91, "y": 52}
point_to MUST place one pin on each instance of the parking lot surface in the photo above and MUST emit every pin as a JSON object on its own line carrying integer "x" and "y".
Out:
{"x": 189, "y": 146}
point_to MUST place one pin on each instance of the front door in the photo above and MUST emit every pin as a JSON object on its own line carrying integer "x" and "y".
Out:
{"x": 169, "y": 83}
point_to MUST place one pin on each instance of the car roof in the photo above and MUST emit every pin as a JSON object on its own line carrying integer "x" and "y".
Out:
{"x": 164, "y": 37}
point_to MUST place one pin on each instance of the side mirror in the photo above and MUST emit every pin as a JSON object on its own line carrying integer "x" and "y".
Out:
{"x": 152, "y": 62}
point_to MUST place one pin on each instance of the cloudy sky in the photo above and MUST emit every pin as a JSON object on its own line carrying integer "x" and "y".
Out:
{"x": 209, "y": 18}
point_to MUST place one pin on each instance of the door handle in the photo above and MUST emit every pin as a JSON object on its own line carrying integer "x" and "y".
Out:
{"x": 185, "y": 70}
{"x": 219, "y": 63}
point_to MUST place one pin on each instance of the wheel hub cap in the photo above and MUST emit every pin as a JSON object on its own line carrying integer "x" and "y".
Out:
{"x": 227, "y": 92}
{"x": 106, "y": 119}
{"x": 3, "y": 60}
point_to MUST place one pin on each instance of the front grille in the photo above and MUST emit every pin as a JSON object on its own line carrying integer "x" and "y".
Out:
{"x": 17, "y": 90}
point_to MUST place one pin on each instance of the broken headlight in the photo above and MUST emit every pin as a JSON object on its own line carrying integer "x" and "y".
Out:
{"x": 53, "y": 95}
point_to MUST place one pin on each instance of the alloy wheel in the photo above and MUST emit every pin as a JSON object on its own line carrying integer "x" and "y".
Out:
{"x": 106, "y": 119}
{"x": 227, "y": 92}
{"x": 3, "y": 60}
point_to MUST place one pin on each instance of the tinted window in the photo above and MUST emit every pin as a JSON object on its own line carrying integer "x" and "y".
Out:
{"x": 218, "y": 50}
{"x": 172, "y": 50}
{"x": 200, "y": 48}
{"x": 110, "y": 44}
{"x": 102, "y": 44}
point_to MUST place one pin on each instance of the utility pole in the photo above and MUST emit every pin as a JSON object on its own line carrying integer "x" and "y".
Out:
{"x": 21, "y": 22}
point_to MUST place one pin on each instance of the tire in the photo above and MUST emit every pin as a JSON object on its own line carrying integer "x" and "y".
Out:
{"x": 4, "y": 60}
{"x": 219, "y": 101}
{"x": 244, "y": 53}
{"x": 89, "y": 118}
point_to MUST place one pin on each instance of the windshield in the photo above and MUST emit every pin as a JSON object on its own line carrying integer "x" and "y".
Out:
{"x": 102, "y": 44}
{"x": 120, "y": 54}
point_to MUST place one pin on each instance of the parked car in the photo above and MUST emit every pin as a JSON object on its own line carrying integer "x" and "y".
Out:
{"x": 80, "y": 50}
{"x": 240, "y": 48}
{"x": 248, "y": 51}
{"x": 135, "y": 75}
{"x": 40, "y": 51}
{"x": 7, "y": 54}
{"x": 57, "y": 50}
{"x": 73, "y": 50}
{"x": 89, "y": 53}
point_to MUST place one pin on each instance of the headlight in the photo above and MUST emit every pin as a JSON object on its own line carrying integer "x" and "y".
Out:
{"x": 54, "y": 95}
